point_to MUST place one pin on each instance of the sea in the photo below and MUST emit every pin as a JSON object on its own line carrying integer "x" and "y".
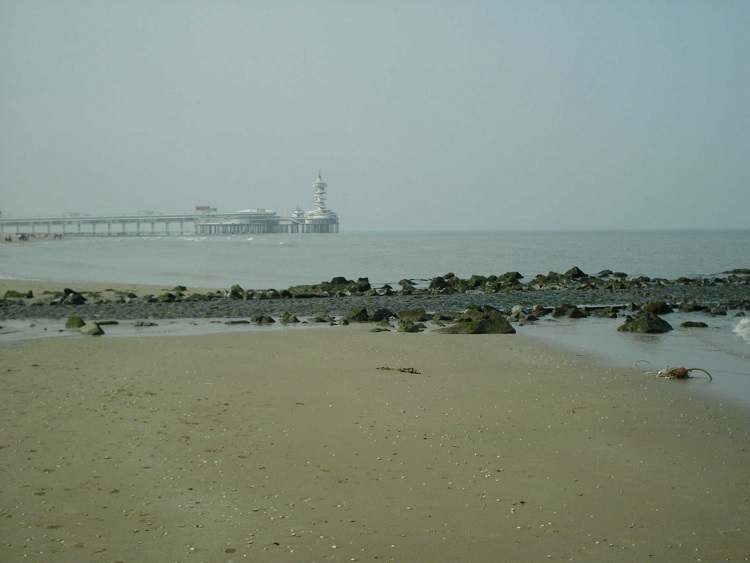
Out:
{"x": 280, "y": 261}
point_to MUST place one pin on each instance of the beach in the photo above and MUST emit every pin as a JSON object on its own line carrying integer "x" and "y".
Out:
{"x": 340, "y": 444}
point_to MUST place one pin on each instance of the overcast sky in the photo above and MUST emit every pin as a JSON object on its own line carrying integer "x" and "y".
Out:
{"x": 420, "y": 114}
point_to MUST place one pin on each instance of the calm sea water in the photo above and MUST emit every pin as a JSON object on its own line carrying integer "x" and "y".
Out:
{"x": 279, "y": 261}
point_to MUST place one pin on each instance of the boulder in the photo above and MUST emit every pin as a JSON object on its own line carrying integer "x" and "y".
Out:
{"x": 261, "y": 319}
{"x": 13, "y": 294}
{"x": 645, "y": 323}
{"x": 288, "y": 318}
{"x": 71, "y": 297}
{"x": 357, "y": 315}
{"x": 693, "y": 324}
{"x": 575, "y": 273}
{"x": 563, "y": 310}
{"x": 91, "y": 329}
{"x": 480, "y": 320}
{"x": 235, "y": 292}
{"x": 417, "y": 314}
{"x": 498, "y": 325}
{"x": 74, "y": 322}
{"x": 409, "y": 326}
{"x": 656, "y": 308}
{"x": 381, "y": 315}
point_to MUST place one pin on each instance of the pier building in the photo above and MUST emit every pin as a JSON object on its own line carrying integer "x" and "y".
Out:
{"x": 205, "y": 221}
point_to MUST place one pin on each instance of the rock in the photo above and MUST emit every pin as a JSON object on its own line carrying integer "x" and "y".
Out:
{"x": 439, "y": 284}
{"x": 357, "y": 315}
{"x": 261, "y": 319}
{"x": 563, "y": 310}
{"x": 693, "y": 324}
{"x": 689, "y": 307}
{"x": 417, "y": 314}
{"x": 288, "y": 318}
{"x": 381, "y": 315}
{"x": 645, "y": 323}
{"x": 409, "y": 326}
{"x": 74, "y": 322}
{"x": 476, "y": 280}
{"x": 483, "y": 326}
{"x": 13, "y": 294}
{"x": 577, "y": 313}
{"x": 144, "y": 323}
{"x": 575, "y": 273}
{"x": 480, "y": 320}
{"x": 656, "y": 308}
{"x": 235, "y": 292}
{"x": 71, "y": 297}
{"x": 91, "y": 329}
{"x": 236, "y": 322}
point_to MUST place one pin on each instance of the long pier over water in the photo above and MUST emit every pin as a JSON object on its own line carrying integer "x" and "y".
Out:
{"x": 205, "y": 221}
{"x": 250, "y": 222}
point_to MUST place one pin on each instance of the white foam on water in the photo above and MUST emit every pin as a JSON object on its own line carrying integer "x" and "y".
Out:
{"x": 743, "y": 330}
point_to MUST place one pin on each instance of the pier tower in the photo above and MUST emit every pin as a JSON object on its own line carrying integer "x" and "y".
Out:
{"x": 320, "y": 219}
{"x": 320, "y": 195}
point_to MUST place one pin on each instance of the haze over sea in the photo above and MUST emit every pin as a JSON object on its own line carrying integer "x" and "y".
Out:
{"x": 279, "y": 261}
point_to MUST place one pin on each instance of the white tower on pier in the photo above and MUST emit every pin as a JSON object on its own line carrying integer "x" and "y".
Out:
{"x": 320, "y": 195}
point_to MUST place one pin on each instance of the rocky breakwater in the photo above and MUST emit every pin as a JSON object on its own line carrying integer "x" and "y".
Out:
{"x": 440, "y": 300}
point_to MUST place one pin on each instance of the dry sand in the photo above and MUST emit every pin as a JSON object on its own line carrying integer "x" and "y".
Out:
{"x": 293, "y": 446}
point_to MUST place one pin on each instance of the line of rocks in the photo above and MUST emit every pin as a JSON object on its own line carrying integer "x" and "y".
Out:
{"x": 573, "y": 294}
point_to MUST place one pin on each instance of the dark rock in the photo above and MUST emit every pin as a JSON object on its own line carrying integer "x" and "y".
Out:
{"x": 261, "y": 319}
{"x": 409, "y": 326}
{"x": 577, "y": 313}
{"x": 236, "y": 322}
{"x": 235, "y": 292}
{"x": 417, "y": 314}
{"x": 498, "y": 325}
{"x": 645, "y": 323}
{"x": 563, "y": 310}
{"x": 439, "y": 283}
{"x": 656, "y": 308}
{"x": 74, "y": 322}
{"x": 288, "y": 318}
{"x": 381, "y": 315}
{"x": 480, "y": 320}
{"x": 575, "y": 273}
{"x": 13, "y": 294}
{"x": 693, "y": 324}
{"x": 357, "y": 315}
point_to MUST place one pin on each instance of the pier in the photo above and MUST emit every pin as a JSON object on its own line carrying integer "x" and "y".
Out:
{"x": 204, "y": 221}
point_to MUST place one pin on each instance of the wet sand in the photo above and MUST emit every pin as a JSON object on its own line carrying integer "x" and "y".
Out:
{"x": 294, "y": 446}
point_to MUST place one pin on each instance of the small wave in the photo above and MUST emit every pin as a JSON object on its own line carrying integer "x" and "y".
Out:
{"x": 743, "y": 330}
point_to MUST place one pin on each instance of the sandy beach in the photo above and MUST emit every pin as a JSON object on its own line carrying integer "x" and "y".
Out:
{"x": 295, "y": 446}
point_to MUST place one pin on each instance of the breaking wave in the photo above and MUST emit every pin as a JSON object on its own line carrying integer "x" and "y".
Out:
{"x": 743, "y": 330}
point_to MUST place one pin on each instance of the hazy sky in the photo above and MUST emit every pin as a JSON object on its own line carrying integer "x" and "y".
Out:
{"x": 420, "y": 114}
